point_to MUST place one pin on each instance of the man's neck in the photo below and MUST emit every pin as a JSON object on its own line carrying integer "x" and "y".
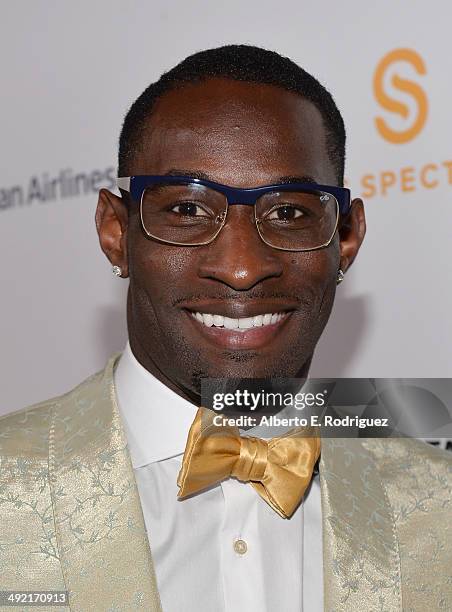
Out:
{"x": 146, "y": 361}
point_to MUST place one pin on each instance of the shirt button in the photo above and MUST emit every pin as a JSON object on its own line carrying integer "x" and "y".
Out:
{"x": 240, "y": 547}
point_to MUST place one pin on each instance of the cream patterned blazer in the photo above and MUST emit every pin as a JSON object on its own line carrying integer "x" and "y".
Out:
{"x": 71, "y": 518}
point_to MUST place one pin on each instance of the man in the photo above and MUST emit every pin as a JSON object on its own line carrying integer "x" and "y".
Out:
{"x": 225, "y": 281}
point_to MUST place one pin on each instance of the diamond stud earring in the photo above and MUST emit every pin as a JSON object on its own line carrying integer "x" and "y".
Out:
{"x": 340, "y": 276}
{"x": 116, "y": 270}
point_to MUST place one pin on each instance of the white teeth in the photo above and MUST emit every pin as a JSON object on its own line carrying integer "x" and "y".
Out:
{"x": 208, "y": 319}
{"x": 241, "y": 324}
{"x": 231, "y": 323}
{"x": 246, "y": 323}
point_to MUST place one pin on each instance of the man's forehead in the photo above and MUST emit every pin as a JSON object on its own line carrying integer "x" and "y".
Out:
{"x": 231, "y": 130}
{"x": 232, "y": 103}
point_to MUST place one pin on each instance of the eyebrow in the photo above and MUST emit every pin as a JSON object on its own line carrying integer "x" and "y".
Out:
{"x": 281, "y": 180}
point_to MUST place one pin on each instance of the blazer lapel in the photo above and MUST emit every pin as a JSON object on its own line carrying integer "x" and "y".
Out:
{"x": 360, "y": 549}
{"x": 105, "y": 554}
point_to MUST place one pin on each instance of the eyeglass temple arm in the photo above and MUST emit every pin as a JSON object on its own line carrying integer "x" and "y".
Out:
{"x": 123, "y": 183}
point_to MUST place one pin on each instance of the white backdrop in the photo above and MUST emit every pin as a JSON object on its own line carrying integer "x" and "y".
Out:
{"x": 70, "y": 70}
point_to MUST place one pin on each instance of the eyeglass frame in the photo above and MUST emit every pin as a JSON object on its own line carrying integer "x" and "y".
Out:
{"x": 136, "y": 186}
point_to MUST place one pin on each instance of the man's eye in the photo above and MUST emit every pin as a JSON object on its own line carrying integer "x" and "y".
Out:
{"x": 285, "y": 213}
{"x": 189, "y": 209}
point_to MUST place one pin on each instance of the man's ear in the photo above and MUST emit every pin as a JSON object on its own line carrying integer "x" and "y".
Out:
{"x": 112, "y": 223}
{"x": 352, "y": 230}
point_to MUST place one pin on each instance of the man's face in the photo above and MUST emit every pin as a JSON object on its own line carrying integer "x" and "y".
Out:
{"x": 242, "y": 135}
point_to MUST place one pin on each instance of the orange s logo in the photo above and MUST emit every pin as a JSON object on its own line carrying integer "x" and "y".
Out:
{"x": 393, "y": 105}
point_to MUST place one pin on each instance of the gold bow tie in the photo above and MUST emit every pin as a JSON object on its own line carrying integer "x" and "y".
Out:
{"x": 279, "y": 469}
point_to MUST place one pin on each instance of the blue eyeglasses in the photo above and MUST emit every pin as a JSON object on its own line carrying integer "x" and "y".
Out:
{"x": 188, "y": 211}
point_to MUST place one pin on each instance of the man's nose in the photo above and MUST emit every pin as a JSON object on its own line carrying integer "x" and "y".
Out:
{"x": 238, "y": 256}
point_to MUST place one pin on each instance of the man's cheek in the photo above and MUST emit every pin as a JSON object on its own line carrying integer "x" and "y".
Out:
{"x": 323, "y": 277}
{"x": 171, "y": 270}
{"x": 316, "y": 299}
{"x": 155, "y": 273}
{"x": 308, "y": 286}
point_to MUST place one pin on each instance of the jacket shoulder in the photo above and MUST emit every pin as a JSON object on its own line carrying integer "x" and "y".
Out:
{"x": 414, "y": 473}
{"x": 396, "y": 450}
{"x": 26, "y": 431}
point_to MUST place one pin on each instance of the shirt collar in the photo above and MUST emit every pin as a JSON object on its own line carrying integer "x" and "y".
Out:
{"x": 156, "y": 419}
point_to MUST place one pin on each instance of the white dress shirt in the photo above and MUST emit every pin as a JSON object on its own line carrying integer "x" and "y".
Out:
{"x": 224, "y": 549}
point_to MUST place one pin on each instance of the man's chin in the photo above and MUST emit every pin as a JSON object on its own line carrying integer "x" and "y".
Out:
{"x": 246, "y": 364}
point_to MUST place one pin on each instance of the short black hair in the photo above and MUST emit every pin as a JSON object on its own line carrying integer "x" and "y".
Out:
{"x": 240, "y": 63}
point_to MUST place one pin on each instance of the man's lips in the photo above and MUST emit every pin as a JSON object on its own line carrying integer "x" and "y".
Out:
{"x": 258, "y": 325}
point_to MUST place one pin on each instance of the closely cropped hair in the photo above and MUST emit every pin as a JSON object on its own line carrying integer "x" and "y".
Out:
{"x": 239, "y": 63}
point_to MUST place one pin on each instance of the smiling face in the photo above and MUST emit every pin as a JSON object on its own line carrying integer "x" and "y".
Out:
{"x": 242, "y": 135}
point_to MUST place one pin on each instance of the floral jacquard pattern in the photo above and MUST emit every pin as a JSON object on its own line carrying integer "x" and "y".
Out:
{"x": 387, "y": 525}
{"x": 361, "y": 562}
{"x": 74, "y": 521}
{"x": 418, "y": 481}
{"x": 29, "y": 555}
